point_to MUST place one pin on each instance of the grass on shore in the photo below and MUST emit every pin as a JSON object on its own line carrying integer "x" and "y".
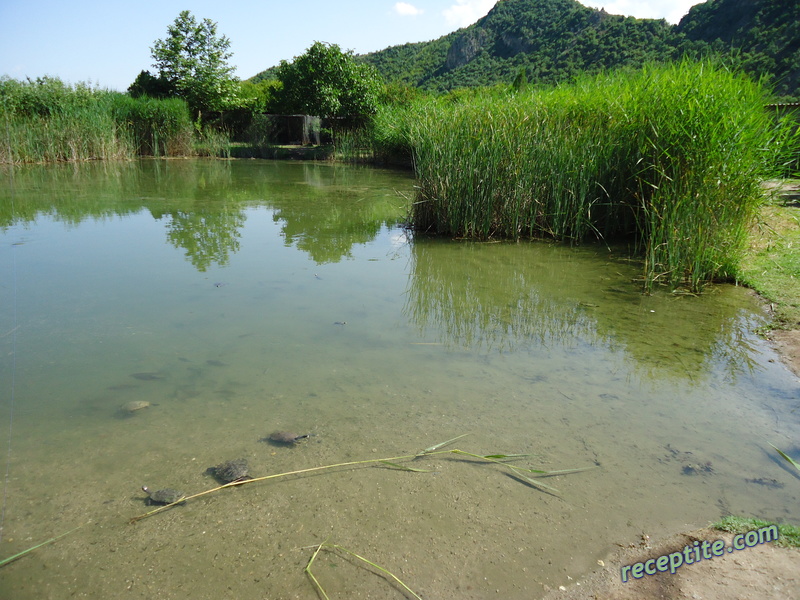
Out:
{"x": 771, "y": 265}
{"x": 789, "y": 534}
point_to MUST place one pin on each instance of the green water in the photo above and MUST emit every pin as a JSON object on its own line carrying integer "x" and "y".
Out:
{"x": 239, "y": 298}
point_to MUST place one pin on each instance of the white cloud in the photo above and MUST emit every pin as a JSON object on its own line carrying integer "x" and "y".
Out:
{"x": 671, "y": 10}
{"x": 466, "y": 12}
{"x": 407, "y": 10}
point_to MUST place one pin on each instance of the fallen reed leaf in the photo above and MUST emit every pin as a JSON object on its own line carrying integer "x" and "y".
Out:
{"x": 31, "y": 549}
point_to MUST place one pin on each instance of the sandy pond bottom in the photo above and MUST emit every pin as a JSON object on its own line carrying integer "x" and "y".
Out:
{"x": 530, "y": 349}
{"x": 466, "y": 530}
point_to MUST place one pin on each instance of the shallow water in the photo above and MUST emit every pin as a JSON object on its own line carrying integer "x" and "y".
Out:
{"x": 239, "y": 298}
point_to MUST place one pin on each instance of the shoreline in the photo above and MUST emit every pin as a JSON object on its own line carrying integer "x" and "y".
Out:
{"x": 761, "y": 572}
{"x": 787, "y": 345}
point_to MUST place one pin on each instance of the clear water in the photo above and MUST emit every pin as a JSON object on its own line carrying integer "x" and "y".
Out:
{"x": 239, "y": 298}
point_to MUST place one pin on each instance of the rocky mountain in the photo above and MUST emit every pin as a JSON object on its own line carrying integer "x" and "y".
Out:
{"x": 551, "y": 40}
{"x": 555, "y": 40}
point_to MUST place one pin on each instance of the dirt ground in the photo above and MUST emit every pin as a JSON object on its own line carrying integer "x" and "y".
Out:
{"x": 763, "y": 572}
{"x": 760, "y": 573}
{"x": 787, "y": 344}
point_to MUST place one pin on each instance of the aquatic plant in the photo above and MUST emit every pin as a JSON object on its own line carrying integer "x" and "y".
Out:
{"x": 787, "y": 458}
{"x": 212, "y": 142}
{"x": 671, "y": 155}
{"x": 47, "y": 121}
{"x": 52, "y": 540}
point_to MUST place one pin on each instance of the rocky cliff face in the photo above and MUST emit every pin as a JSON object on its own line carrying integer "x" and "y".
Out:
{"x": 465, "y": 47}
{"x": 513, "y": 43}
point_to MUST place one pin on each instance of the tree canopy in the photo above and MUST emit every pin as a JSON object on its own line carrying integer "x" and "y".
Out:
{"x": 327, "y": 82}
{"x": 192, "y": 61}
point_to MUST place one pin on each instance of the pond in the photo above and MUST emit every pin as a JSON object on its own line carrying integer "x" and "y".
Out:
{"x": 240, "y": 298}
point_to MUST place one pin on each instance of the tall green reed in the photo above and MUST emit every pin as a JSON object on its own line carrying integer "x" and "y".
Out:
{"x": 671, "y": 155}
{"x": 47, "y": 120}
{"x": 154, "y": 127}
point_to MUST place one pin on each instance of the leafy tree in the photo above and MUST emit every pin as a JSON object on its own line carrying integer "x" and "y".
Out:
{"x": 258, "y": 96}
{"x": 192, "y": 59}
{"x": 327, "y": 82}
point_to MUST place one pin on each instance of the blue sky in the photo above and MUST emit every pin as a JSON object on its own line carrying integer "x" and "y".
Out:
{"x": 109, "y": 42}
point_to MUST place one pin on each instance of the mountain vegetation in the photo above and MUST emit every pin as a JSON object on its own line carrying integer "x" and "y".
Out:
{"x": 765, "y": 33}
{"x": 552, "y": 41}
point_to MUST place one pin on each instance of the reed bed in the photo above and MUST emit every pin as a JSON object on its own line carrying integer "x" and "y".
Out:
{"x": 671, "y": 155}
{"x": 48, "y": 121}
{"x": 154, "y": 127}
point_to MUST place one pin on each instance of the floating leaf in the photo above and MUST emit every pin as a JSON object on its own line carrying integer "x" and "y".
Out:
{"x": 559, "y": 472}
{"x": 441, "y": 445}
{"x": 537, "y": 483}
{"x": 505, "y": 456}
{"x": 788, "y": 458}
{"x": 50, "y": 541}
{"x": 405, "y": 468}
{"x": 335, "y": 547}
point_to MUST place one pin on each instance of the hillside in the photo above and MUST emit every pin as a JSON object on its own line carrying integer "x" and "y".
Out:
{"x": 766, "y": 32}
{"x": 551, "y": 39}
{"x": 554, "y": 40}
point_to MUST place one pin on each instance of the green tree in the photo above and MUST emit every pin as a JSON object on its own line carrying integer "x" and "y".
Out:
{"x": 327, "y": 82}
{"x": 258, "y": 96}
{"x": 192, "y": 59}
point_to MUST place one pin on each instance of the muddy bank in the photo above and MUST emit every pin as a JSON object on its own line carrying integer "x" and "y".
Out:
{"x": 757, "y": 573}
{"x": 787, "y": 343}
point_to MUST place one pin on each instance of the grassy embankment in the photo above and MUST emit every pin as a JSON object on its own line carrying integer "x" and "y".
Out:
{"x": 671, "y": 156}
{"x": 48, "y": 121}
{"x": 772, "y": 263}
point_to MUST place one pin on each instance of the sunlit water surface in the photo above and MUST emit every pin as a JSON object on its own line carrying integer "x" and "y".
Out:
{"x": 239, "y": 298}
